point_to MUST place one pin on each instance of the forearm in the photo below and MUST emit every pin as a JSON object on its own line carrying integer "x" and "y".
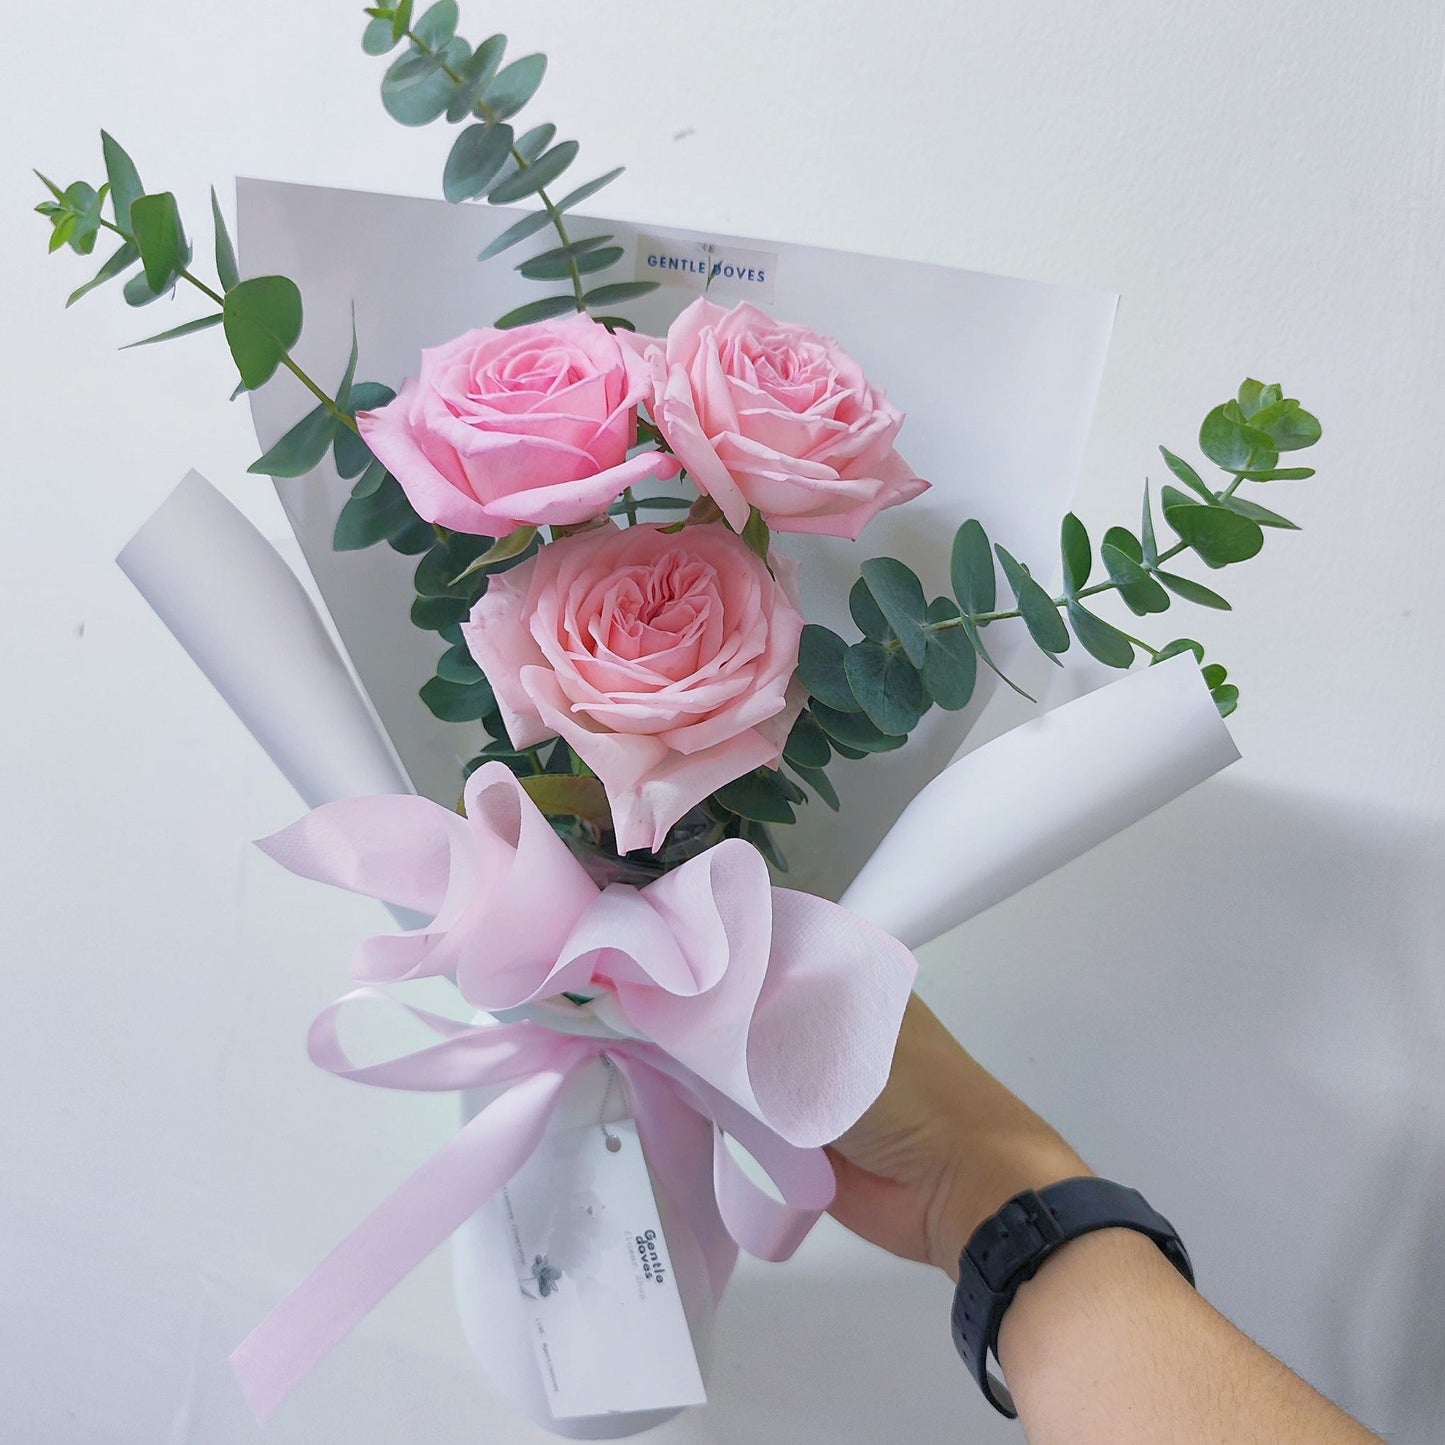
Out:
{"x": 1108, "y": 1345}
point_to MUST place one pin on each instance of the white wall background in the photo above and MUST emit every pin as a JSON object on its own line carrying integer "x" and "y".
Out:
{"x": 1240, "y": 1005}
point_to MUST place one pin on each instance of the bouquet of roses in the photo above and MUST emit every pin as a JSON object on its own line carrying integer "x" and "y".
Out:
{"x": 607, "y": 529}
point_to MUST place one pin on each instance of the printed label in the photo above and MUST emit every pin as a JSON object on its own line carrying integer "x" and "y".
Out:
{"x": 706, "y": 267}
{"x": 602, "y": 1304}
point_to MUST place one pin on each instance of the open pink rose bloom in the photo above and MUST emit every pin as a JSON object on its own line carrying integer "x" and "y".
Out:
{"x": 767, "y": 414}
{"x": 526, "y": 427}
{"x": 665, "y": 662}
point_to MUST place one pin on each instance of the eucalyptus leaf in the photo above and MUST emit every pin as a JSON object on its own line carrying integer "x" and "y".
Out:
{"x": 1255, "y": 396}
{"x": 156, "y": 224}
{"x": 1192, "y": 591}
{"x": 592, "y": 254}
{"x": 424, "y": 100}
{"x": 438, "y": 572}
{"x": 899, "y": 596}
{"x": 125, "y": 182}
{"x": 1074, "y": 548}
{"x": 458, "y": 701}
{"x": 1226, "y": 698}
{"x": 616, "y": 292}
{"x": 1259, "y": 514}
{"x": 1099, "y": 638}
{"x": 819, "y": 782}
{"x": 371, "y": 478}
{"x": 1149, "y": 548}
{"x": 477, "y": 155}
{"x": 1141, "y": 593}
{"x": 888, "y": 686}
{"x": 590, "y": 189}
{"x": 186, "y": 328}
{"x": 437, "y": 24}
{"x": 124, "y": 256}
{"x": 1291, "y": 429}
{"x": 1186, "y": 474}
{"x": 412, "y": 537}
{"x": 758, "y": 796}
{"x": 529, "y": 225}
{"x": 821, "y": 669}
{"x": 534, "y": 177}
{"x": 226, "y": 270}
{"x": 1231, "y": 443}
{"x": 950, "y": 664}
{"x": 1180, "y": 644}
{"x": 432, "y": 614}
{"x": 807, "y": 745}
{"x": 365, "y": 521}
{"x": 971, "y": 569}
{"x": 456, "y": 664}
{"x": 263, "y": 322}
{"x": 514, "y": 85}
{"x": 1039, "y": 612}
{"x": 540, "y": 310}
{"x": 476, "y": 73}
{"x": 377, "y": 38}
{"x": 852, "y": 732}
{"x": 1278, "y": 474}
{"x": 1219, "y": 536}
{"x": 301, "y": 449}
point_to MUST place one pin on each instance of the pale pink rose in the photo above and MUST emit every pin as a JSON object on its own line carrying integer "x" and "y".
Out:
{"x": 666, "y": 662}
{"x": 523, "y": 427}
{"x": 769, "y": 415}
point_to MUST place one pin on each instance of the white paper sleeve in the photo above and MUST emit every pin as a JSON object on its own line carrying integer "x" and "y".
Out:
{"x": 244, "y": 617}
{"x": 1015, "y": 809}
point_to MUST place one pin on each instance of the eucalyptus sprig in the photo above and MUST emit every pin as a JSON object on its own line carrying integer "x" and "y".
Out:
{"x": 914, "y": 653}
{"x": 439, "y": 73}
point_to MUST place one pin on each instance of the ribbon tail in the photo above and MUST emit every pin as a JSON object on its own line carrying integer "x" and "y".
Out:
{"x": 392, "y": 1241}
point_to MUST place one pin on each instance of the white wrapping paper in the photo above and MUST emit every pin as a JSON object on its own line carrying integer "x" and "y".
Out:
{"x": 246, "y": 621}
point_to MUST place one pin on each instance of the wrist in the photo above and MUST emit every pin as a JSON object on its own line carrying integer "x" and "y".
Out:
{"x": 983, "y": 1178}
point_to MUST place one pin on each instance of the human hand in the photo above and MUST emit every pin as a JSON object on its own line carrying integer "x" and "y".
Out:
{"x": 940, "y": 1150}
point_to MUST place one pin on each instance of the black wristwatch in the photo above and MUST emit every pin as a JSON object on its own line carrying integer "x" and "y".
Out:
{"x": 1009, "y": 1248}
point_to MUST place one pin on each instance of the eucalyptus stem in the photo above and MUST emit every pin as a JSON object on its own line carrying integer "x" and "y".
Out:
{"x": 482, "y": 109}
{"x": 342, "y": 416}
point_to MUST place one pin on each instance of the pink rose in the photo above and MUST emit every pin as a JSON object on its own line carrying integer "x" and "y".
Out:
{"x": 664, "y": 661}
{"x": 774, "y": 416}
{"x": 510, "y": 428}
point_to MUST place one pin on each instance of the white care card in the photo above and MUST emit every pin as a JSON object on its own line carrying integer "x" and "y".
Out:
{"x": 599, "y": 1296}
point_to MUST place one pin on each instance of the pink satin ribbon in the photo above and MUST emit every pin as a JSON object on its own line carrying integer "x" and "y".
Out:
{"x": 735, "y": 1009}
{"x": 531, "y": 1064}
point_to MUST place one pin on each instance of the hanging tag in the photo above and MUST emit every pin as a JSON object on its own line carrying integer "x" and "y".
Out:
{"x": 599, "y": 1295}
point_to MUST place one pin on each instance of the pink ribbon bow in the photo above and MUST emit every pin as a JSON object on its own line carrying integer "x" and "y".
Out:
{"x": 764, "y": 1014}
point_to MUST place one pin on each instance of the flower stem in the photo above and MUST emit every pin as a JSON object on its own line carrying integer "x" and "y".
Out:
{"x": 482, "y": 109}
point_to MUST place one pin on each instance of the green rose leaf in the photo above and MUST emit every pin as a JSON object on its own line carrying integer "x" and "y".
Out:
{"x": 898, "y": 594}
{"x": 1037, "y": 608}
{"x": 821, "y": 670}
{"x": 263, "y": 322}
{"x": 1098, "y": 638}
{"x": 887, "y": 685}
{"x": 477, "y": 155}
{"x": 971, "y": 569}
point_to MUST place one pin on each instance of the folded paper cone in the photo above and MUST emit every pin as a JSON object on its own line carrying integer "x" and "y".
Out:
{"x": 245, "y": 619}
{"x": 1017, "y": 808}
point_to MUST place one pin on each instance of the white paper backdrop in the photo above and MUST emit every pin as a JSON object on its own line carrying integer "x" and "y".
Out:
{"x": 1238, "y": 1005}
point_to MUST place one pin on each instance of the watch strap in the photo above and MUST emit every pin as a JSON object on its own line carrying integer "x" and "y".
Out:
{"x": 1010, "y": 1247}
